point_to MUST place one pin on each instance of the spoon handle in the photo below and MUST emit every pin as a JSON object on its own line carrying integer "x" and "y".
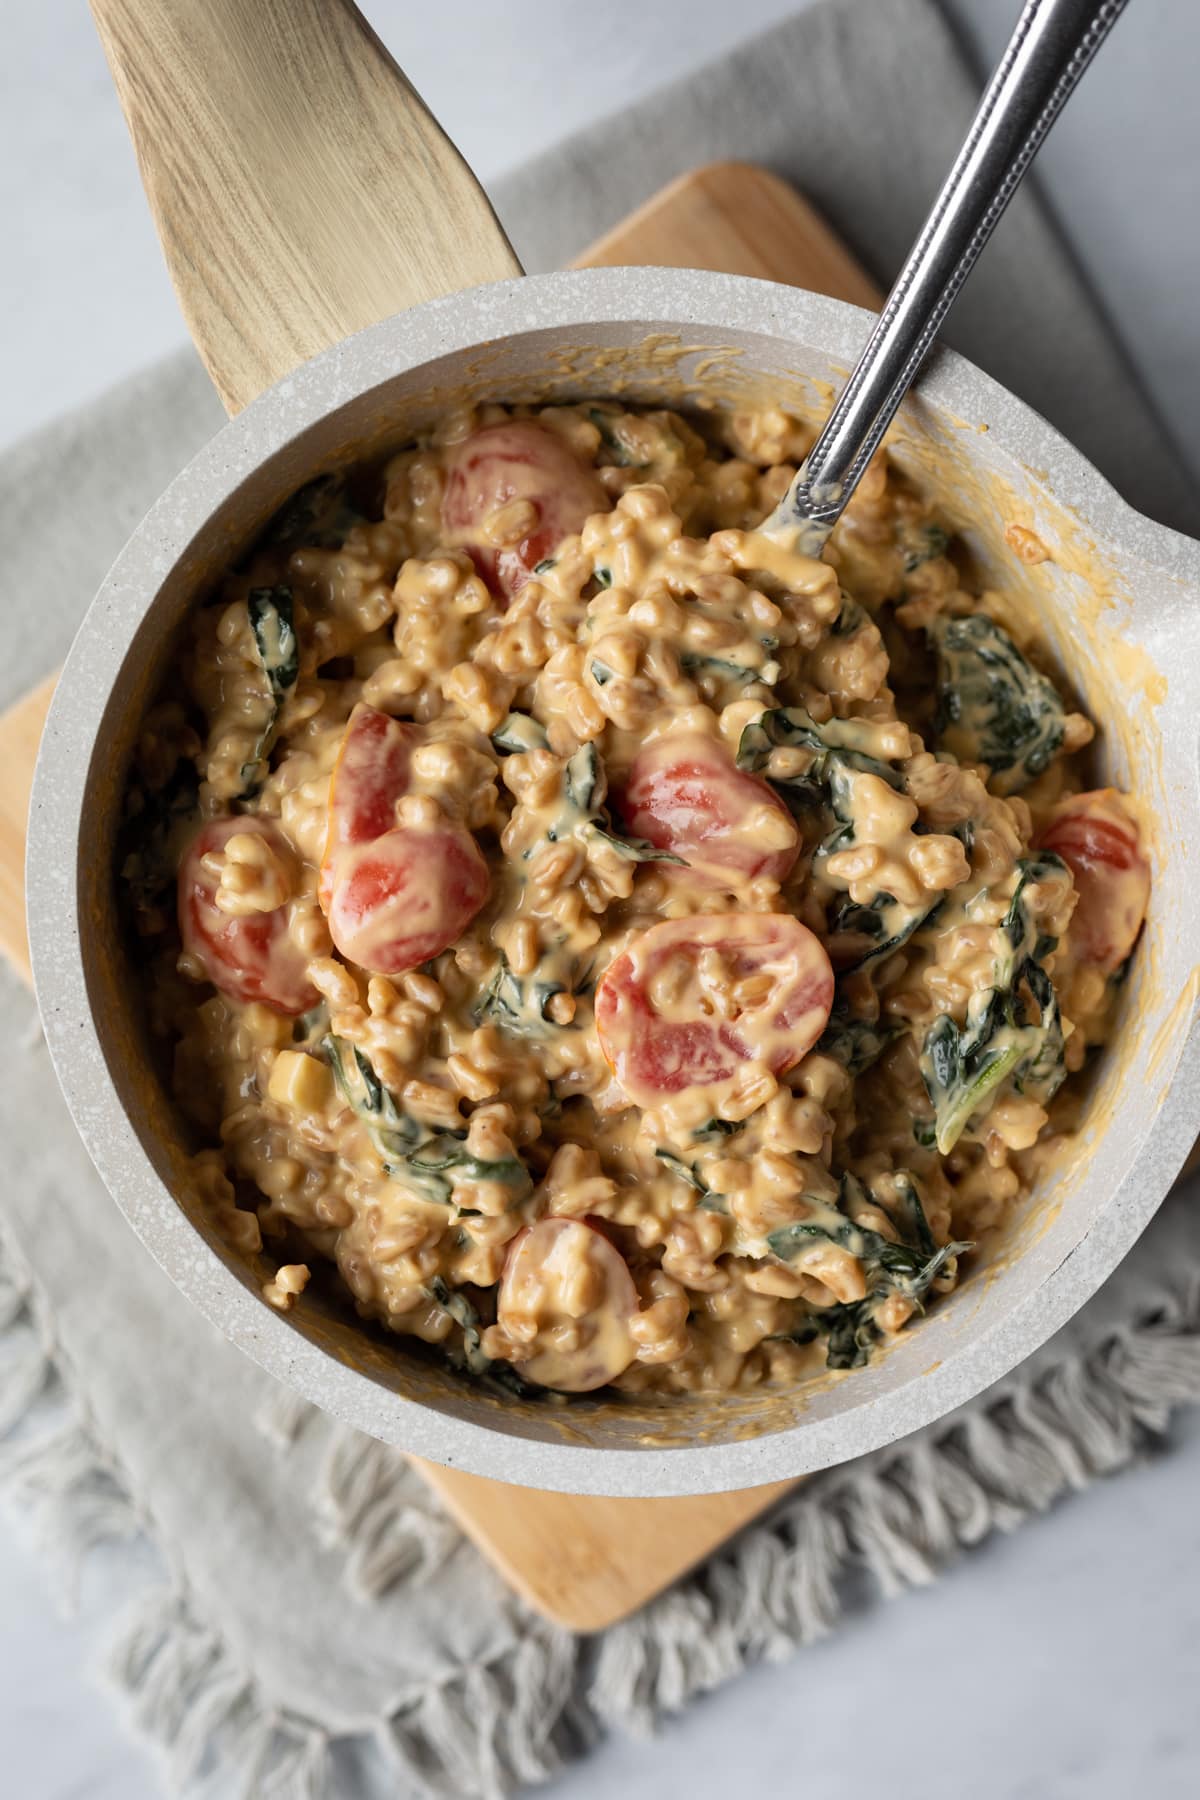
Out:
{"x": 1052, "y": 45}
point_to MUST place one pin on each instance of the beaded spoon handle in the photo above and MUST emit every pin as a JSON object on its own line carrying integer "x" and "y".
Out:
{"x": 1052, "y": 45}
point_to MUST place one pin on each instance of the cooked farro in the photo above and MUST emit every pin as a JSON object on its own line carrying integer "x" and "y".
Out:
{"x": 629, "y": 951}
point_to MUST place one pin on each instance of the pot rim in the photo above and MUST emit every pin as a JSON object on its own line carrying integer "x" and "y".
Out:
{"x": 690, "y": 299}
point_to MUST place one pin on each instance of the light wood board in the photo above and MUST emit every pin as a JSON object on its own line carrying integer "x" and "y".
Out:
{"x": 583, "y": 1562}
{"x": 299, "y": 188}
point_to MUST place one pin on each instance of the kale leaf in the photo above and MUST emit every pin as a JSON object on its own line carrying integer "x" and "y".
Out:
{"x": 518, "y": 734}
{"x": 634, "y": 849}
{"x": 697, "y": 663}
{"x": 608, "y": 424}
{"x": 709, "y": 1200}
{"x": 272, "y": 623}
{"x": 856, "y": 1043}
{"x": 583, "y": 781}
{"x": 1013, "y": 1029}
{"x": 993, "y": 706}
{"x": 583, "y": 810}
{"x": 835, "y": 753}
{"x": 922, "y": 544}
{"x": 319, "y": 513}
{"x": 517, "y": 1003}
{"x": 907, "y": 1267}
{"x": 839, "y": 745}
{"x": 471, "y": 1357}
{"x": 718, "y": 1129}
{"x": 422, "y": 1158}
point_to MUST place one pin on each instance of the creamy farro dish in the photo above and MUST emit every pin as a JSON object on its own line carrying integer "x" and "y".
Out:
{"x": 603, "y": 943}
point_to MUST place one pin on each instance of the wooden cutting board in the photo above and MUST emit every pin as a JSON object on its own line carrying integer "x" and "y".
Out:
{"x": 583, "y": 1562}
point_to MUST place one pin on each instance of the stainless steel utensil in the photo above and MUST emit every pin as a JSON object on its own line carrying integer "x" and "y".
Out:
{"x": 1052, "y": 45}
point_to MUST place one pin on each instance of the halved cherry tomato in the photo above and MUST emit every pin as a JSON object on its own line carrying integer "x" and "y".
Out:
{"x": 394, "y": 895}
{"x": 1098, "y": 840}
{"x": 668, "y": 1014}
{"x": 683, "y": 793}
{"x": 516, "y": 460}
{"x": 405, "y": 897}
{"x": 577, "y": 1285}
{"x": 249, "y": 958}
{"x": 371, "y": 773}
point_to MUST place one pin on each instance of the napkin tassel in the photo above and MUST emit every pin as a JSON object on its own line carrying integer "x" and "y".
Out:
{"x": 892, "y": 1520}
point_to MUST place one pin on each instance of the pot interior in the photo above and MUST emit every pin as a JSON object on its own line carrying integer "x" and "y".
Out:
{"x": 1110, "y": 622}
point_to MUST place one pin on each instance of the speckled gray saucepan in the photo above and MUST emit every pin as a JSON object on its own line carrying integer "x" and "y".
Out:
{"x": 1120, "y": 598}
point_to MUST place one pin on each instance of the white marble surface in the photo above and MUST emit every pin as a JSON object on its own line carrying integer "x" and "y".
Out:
{"x": 1059, "y": 1664}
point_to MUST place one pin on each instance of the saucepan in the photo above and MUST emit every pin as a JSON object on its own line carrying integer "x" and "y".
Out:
{"x": 278, "y": 144}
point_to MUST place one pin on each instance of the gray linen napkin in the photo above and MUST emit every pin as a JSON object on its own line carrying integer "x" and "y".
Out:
{"x": 316, "y": 1616}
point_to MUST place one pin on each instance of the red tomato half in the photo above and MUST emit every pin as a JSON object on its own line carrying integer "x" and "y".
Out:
{"x": 661, "y": 1027}
{"x": 516, "y": 460}
{"x": 551, "y": 1274}
{"x": 1098, "y": 840}
{"x": 683, "y": 793}
{"x": 405, "y": 897}
{"x": 251, "y": 958}
{"x": 370, "y": 775}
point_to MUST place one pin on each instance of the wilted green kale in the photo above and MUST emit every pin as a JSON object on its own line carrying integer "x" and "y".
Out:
{"x": 1013, "y": 1029}
{"x": 907, "y": 1267}
{"x": 993, "y": 705}
{"x": 272, "y": 623}
{"x": 416, "y": 1154}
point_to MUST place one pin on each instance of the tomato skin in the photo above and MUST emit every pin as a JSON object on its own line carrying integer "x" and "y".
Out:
{"x": 394, "y": 895}
{"x": 370, "y": 775}
{"x": 1098, "y": 839}
{"x": 657, "y": 1052}
{"x": 684, "y": 793}
{"x": 516, "y": 460}
{"x": 251, "y": 958}
{"x": 539, "y": 1274}
{"x": 406, "y": 896}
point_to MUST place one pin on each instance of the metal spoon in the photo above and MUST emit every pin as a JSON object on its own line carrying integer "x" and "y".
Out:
{"x": 1052, "y": 45}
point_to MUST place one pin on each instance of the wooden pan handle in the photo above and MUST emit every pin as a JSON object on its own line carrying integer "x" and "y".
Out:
{"x": 300, "y": 188}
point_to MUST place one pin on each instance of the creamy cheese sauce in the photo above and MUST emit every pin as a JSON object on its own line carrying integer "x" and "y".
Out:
{"x": 625, "y": 949}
